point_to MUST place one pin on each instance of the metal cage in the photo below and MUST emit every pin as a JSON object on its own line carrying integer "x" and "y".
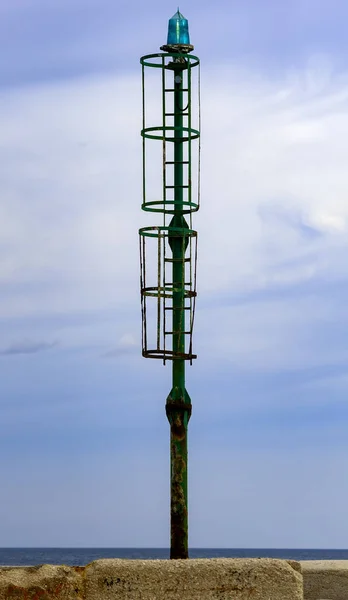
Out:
{"x": 169, "y": 133}
{"x": 160, "y": 289}
{"x": 168, "y": 252}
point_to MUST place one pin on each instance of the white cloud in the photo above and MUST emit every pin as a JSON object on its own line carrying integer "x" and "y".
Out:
{"x": 71, "y": 193}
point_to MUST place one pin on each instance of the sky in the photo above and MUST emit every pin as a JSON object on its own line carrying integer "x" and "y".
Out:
{"x": 84, "y": 438}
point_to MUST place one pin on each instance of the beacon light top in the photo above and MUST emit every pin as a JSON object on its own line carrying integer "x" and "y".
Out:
{"x": 178, "y": 31}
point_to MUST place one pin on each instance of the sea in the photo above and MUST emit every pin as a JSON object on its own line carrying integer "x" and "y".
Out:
{"x": 83, "y": 556}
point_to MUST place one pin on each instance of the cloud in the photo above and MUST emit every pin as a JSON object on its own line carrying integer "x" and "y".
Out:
{"x": 269, "y": 387}
{"x": 27, "y": 347}
{"x": 288, "y": 217}
{"x": 126, "y": 345}
{"x": 273, "y": 218}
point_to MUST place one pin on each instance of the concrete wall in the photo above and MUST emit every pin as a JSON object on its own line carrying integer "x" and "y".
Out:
{"x": 44, "y": 582}
{"x": 223, "y": 579}
{"x": 325, "y": 579}
{"x": 203, "y": 579}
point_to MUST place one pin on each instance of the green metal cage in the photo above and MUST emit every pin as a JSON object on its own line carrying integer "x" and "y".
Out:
{"x": 168, "y": 133}
{"x": 158, "y": 290}
{"x": 168, "y": 252}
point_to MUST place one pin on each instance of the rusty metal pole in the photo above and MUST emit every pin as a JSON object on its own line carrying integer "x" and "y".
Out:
{"x": 178, "y": 406}
{"x": 174, "y": 291}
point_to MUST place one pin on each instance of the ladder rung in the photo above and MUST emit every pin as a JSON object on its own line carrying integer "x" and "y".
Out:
{"x": 176, "y": 186}
{"x": 183, "y": 114}
{"x": 172, "y": 260}
{"x": 177, "y": 308}
{"x": 179, "y": 289}
{"x": 177, "y": 332}
{"x": 176, "y": 162}
{"x": 175, "y": 90}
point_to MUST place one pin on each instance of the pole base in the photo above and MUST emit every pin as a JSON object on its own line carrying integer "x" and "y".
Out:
{"x": 178, "y": 409}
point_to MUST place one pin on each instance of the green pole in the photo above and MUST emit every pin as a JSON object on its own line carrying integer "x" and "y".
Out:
{"x": 175, "y": 288}
{"x": 178, "y": 406}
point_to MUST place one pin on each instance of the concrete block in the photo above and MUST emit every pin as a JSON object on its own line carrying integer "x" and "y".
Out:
{"x": 43, "y": 582}
{"x": 201, "y": 579}
{"x": 325, "y": 579}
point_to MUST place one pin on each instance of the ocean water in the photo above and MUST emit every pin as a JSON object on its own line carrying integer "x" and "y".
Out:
{"x": 83, "y": 556}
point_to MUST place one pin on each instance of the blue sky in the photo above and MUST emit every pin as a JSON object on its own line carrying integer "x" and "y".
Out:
{"x": 83, "y": 432}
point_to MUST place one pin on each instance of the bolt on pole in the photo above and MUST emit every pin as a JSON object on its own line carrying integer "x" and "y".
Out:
{"x": 168, "y": 252}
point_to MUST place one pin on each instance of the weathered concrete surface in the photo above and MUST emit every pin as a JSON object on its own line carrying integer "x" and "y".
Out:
{"x": 201, "y": 579}
{"x": 325, "y": 579}
{"x": 43, "y": 582}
